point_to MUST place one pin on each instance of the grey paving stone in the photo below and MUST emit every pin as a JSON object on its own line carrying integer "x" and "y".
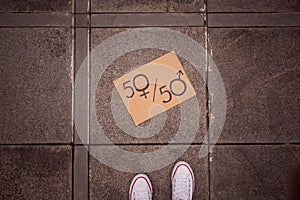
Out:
{"x": 34, "y": 19}
{"x": 80, "y": 173}
{"x": 35, "y": 6}
{"x": 81, "y": 53}
{"x": 260, "y": 71}
{"x": 128, "y": 6}
{"x": 186, "y": 6}
{"x": 138, "y": 19}
{"x": 147, "y": 6}
{"x": 252, "y": 172}
{"x": 36, "y": 85}
{"x": 295, "y": 183}
{"x": 108, "y": 183}
{"x": 81, "y": 6}
{"x": 81, "y": 44}
{"x": 35, "y": 172}
{"x": 82, "y": 21}
{"x": 253, "y": 6}
{"x": 127, "y": 62}
{"x": 253, "y": 19}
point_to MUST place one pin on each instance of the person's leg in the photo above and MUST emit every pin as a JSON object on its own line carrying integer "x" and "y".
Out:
{"x": 140, "y": 188}
{"x": 183, "y": 181}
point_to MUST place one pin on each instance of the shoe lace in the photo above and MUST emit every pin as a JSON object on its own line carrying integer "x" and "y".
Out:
{"x": 182, "y": 189}
{"x": 142, "y": 195}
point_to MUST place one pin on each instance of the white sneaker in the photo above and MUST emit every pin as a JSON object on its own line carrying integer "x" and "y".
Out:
{"x": 140, "y": 188}
{"x": 183, "y": 181}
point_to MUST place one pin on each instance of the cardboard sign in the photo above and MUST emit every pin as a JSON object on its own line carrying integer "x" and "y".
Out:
{"x": 154, "y": 87}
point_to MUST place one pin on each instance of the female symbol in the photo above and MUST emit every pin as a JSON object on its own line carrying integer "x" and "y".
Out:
{"x": 141, "y": 89}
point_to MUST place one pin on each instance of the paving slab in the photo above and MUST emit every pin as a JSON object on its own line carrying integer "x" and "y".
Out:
{"x": 186, "y": 6}
{"x": 35, "y": 6}
{"x": 35, "y": 20}
{"x": 82, "y": 21}
{"x": 253, "y": 19}
{"x": 147, "y": 20}
{"x": 147, "y": 6}
{"x": 36, "y": 85}
{"x": 252, "y": 172}
{"x": 80, "y": 173}
{"x": 127, "y": 62}
{"x": 260, "y": 71}
{"x": 108, "y": 183}
{"x": 253, "y": 6}
{"x": 82, "y": 6}
{"x": 81, "y": 53}
{"x": 35, "y": 172}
